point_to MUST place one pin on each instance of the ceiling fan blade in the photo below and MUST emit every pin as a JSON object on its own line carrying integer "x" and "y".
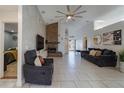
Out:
{"x": 61, "y": 19}
{"x": 79, "y": 16}
{"x": 59, "y": 16}
{"x": 77, "y": 9}
{"x": 60, "y": 12}
{"x": 80, "y": 12}
{"x": 68, "y": 8}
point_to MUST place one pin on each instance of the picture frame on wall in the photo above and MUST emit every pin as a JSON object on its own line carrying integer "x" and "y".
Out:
{"x": 108, "y": 38}
{"x": 97, "y": 39}
{"x": 117, "y": 37}
{"x": 112, "y": 38}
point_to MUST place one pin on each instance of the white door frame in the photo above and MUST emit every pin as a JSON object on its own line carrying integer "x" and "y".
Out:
{"x": 1, "y": 49}
{"x": 19, "y": 63}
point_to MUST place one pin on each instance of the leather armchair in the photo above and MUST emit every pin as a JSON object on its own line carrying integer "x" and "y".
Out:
{"x": 37, "y": 75}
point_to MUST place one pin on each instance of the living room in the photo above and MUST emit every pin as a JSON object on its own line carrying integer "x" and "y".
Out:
{"x": 70, "y": 69}
{"x": 62, "y": 78}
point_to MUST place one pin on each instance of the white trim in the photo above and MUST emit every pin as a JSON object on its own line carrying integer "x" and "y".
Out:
{"x": 1, "y": 49}
{"x": 19, "y": 66}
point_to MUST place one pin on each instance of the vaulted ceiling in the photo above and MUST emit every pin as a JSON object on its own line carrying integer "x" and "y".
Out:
{"x": 94, "y": 12}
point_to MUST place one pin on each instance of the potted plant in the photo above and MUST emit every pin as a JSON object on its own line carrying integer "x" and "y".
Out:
{"x": 122, "y": 61}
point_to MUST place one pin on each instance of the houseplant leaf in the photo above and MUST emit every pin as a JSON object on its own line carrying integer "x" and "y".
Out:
{"x": 122, "y": 56}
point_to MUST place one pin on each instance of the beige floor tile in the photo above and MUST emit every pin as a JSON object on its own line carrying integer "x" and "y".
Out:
{"x": 98, "y": 84}
{"x": 112, "y": 84}
{"x": 83, "y": 84}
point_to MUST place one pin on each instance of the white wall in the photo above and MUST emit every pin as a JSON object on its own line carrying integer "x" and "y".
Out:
{"x": 112, "y": 17}
{"x": 113, "y": 27}
{"x": 32, "y": 25}
{"x": 61, "y": 35}
{"x": 8, "y": 40}
{"x": 86, "y": 30}
{"x": 1, "y": 49}
{"x": 9, "y": 16}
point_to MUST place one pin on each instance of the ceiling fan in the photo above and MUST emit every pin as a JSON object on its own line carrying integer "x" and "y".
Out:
{"x": 71, "y": 14}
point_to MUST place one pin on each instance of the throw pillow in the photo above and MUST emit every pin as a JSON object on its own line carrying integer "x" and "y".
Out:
{"x": 41, "y": 60}
{"x": 108, "y": 52}
{"x": 37, "y": 62}
{"x": 98, "y": 53}
{"x": 92, "y": 52}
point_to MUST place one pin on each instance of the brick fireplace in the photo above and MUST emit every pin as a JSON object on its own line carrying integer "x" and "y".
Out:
{"x": 52, "y": 37}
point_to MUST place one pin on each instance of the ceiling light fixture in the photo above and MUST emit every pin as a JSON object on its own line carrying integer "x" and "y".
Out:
{"x": 71, "y": 14}
{"x": 69, "y": 17}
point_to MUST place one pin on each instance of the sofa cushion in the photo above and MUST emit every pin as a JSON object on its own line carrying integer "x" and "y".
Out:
{"x": 98, "y": 53}
{"x": 108, "y": 52}
{"x": 30, "y": 57}
{"x": 91, "y": 58}
{"x": 93, "y": 52}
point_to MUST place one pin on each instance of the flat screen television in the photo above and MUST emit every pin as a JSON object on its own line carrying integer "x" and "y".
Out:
{"x": 39, "y": 42}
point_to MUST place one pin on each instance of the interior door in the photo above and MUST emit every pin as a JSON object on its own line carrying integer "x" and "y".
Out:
{"x": 1, "y": 49}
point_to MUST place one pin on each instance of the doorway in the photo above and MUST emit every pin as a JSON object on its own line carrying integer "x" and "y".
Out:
{"x": 1, "y": 49}
{"x": 12, "y": 14}
{"x": 72, "y": 45}
{"x": 85, "y": 43}
{"x": 10, "y": 50}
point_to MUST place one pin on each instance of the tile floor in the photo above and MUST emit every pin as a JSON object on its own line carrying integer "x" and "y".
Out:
{"x": 71, "y": 71}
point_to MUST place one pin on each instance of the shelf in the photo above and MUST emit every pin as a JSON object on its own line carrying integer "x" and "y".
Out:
{"x": 52, "y": 42}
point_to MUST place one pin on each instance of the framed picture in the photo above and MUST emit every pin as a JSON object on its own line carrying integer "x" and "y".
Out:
{"x": 108, "y": 38}
{"x": 112, "y": 38}
{"x": 97, "y": 39}
{"x": 117, "y": 37}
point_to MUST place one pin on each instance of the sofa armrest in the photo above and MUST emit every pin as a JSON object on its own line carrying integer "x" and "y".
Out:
{"x": 108, "y": 58}
{"x": 85, "y": 51}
